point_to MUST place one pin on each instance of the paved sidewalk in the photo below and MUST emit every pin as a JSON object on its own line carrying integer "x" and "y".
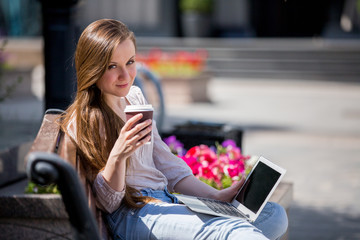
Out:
{"x": 310, "y": 128}
{"x": 313, "y": 130}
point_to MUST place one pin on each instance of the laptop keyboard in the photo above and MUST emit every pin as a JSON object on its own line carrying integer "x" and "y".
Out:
{"x": 221, "y": 207}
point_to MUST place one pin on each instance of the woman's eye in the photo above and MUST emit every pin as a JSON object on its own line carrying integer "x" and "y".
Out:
{"x": 112, "y": 66}
{"x": 132, "y": 61}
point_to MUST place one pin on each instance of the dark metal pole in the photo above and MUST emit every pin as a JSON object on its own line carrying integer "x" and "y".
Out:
{"x": 59, "y": 45}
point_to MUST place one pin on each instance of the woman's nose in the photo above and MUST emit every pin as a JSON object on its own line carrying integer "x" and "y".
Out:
{"x": 123, "y": 73}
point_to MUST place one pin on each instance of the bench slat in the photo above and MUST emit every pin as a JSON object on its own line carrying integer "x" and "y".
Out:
{"x": 48, "y": 135}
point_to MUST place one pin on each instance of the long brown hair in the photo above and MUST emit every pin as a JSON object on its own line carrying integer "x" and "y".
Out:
{"x": 97, "y": 125}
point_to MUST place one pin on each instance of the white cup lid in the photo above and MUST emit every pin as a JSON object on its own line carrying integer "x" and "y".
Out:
{"x": 135, "y": 108}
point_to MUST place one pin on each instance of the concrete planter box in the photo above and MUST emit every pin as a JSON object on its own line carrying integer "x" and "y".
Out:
{"x": 186, "y": 89}
{"x": 195, "y": 133}
{"x": 32, "y": 216}
{"x": 196, "y": 24}
{"x": 28, "y": 216}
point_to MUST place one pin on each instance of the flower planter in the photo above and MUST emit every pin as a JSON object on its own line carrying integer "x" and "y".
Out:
{"x": 183, "y": 74}
{"x": 32, "y": 216}
{"x": 220, "y": 162}
{"x": 195, "y": 133}
{"x": 28, "y": 216}
{"x": 183, "y": 90}
{"x": 196, "y": 24}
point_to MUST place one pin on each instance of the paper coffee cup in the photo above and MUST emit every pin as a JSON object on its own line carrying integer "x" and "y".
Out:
{"x": 146, "y": 110}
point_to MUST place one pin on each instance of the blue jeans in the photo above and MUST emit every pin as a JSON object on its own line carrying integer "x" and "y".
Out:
{"x": 170, "y": 220}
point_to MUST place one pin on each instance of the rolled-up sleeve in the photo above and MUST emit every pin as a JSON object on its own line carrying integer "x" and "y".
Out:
{"x": 173, "y": 167}
{"x": 108, "y": 199}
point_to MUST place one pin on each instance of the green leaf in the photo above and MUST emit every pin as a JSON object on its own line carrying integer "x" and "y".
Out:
{"x": 220, "y": 149}
{"x": 226, "y": 181}
{"x": 33, "y": 188}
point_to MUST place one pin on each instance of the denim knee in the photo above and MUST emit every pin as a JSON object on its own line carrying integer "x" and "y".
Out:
{"x": 272, "y": 221}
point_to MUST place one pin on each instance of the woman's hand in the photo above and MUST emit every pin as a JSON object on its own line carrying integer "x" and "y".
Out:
{"x": 191, "y": 185}
{"x": 131, "y": 137}
{"x": 229, "y": 193}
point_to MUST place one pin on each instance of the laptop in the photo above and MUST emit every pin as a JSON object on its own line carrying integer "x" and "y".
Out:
{"x": 251, "y": 198}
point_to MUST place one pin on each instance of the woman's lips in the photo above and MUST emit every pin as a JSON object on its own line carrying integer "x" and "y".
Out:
{"x": 122, "y": 85}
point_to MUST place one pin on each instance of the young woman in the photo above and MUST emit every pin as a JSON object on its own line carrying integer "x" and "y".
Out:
{"x": 131, "y": 180}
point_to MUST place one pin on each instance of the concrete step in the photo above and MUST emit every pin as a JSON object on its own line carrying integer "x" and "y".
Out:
{"x": 272, "y": 58}
{"x": 310, "y": 65}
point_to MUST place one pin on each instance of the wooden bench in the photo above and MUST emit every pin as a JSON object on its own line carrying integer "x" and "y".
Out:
{"x": 51, "y": 139}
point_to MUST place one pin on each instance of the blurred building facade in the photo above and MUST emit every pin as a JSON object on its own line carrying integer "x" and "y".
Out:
{"x": 310, "y": 53}
{"x": 235, "y": 18}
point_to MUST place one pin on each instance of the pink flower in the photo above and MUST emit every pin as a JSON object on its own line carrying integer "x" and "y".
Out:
{"x": 234, "y": 152}
{"x": 175, "y": 145}
{"x": 208, "y": 173}
{"x": 223, "y": 164}
{"x": 228, "y": 142}
{"x": 193, "y": 152}
{"x": 234, "y": 169}
{"x": 206, "y": 154}
{"x": 192, "y": 163}
{"x": 218, "y": 171}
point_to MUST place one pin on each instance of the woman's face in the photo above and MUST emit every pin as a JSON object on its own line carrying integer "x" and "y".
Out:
{"x": 121, "y": 71}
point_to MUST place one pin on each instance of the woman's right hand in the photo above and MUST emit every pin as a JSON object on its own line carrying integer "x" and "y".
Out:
{"x": 131, "y": 137}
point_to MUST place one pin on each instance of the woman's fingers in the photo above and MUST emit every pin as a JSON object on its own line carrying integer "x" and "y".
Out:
{"x": 145, "y": 132}
{"x": 140, "y": 129}
{"x": 131, "y": 137}
{"x": 135, "y": 130}
{"x": 129, "y": 124}
{"x": 143, "y": 140}
{"x": 229, "y": 193}
{"x": 140, "y": 126}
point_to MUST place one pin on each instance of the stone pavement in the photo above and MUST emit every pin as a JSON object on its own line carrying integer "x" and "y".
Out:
{"x": 311, "y": 128}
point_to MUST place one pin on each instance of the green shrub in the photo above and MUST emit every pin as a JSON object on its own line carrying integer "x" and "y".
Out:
{"x": 201, "y": 6}
{"x": 38, "y": 189}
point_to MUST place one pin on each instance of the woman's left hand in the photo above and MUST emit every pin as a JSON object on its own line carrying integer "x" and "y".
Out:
{"x": 229, "y": 193}
{"x": 192, "y": 186}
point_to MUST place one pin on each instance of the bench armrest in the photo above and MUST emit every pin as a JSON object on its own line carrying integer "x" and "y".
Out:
{"x": 45, "y": 168}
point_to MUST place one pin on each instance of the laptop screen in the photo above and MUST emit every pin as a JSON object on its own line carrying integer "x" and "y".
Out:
{"x": 258, "y": 186}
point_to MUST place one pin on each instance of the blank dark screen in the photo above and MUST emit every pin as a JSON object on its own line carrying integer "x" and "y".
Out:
{"x": 258, "y": 187}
